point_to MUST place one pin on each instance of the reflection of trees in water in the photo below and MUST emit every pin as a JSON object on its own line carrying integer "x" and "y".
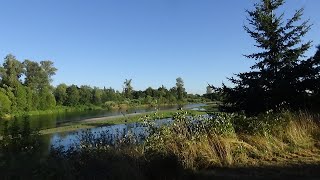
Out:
{"x": 45, "y": 144}
{"x": 59, "y": 118}
{"x": 43, "y": 121}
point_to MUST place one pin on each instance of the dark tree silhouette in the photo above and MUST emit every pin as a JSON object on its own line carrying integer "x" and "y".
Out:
{"x": 276, "y": 78}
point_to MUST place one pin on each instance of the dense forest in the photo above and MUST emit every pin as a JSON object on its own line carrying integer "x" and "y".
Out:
{"x": 26, "y": 86}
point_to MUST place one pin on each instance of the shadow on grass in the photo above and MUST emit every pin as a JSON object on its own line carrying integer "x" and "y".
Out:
{"x": 269, "y": 172}
{"x": 115, "y": 165}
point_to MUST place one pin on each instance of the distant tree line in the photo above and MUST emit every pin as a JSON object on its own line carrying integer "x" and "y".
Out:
{"x": 26, "y": 86}
{"x": 282, "y": 77}
{"x": 106, "y": 97}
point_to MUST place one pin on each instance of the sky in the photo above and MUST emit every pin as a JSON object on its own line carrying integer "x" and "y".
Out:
{"x": 103, "y": 42}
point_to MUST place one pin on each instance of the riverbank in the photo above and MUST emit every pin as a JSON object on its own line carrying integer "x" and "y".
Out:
{"x": 56, "y": 110}
{"x": 113, "y": 120}
{"x": 64, "y": 109}
{"x": 273, "y": 146}
{"x": 231, "y": 146}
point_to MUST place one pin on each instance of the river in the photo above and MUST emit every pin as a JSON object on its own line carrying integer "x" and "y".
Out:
{"x": 59, "y": 119}
{"x": 68, "y": 139}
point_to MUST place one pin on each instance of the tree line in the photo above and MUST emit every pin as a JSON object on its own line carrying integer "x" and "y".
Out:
{"x": 106, "y": 97}
{"x": 26, "y": 86}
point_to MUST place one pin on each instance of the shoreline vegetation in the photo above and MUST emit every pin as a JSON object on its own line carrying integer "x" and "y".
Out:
{"x": 231, "y": 145}
{"x": 63, "y": 109}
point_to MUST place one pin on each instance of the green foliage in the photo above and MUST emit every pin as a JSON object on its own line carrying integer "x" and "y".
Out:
{"x": 21, "y": 96}
{"x": 73, "y": 96}
{"x": 31, "y": 104}
{"x": 60, "y": 94}
{"x": 221, "y": 123}
{"x": 38, "y": 76}
{"x": 181, "y": 92}
{"x": 97, "y": 96}
{"x": 279, "y": 75}
{"x": 33, "y": 74}
{"x": 5, "y": 103}
{"x": 12, "y": 98}
{"x": 35, "y": 92}
{"x": 11, "y": 72}
{"x": 85, "y": 93}
{"x": 47, "y": 99}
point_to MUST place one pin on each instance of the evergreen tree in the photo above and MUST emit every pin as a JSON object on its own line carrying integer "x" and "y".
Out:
{"x": 310, "y": 82}
{"x": 273, "y": 80}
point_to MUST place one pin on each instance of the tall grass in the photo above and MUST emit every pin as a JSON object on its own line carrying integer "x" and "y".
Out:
{"x": 236, "y": 140}
{"x": 191, "y": 143}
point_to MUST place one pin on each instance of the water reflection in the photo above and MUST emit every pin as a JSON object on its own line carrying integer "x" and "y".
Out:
{"x": 114, "y": 132}
{"x": 62, "y": 118}
{"x": 68, "y": 139}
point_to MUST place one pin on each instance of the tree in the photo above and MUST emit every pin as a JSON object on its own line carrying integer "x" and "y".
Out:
{"x": 181, "y": 92}
{"x": 33, "y": 74}
{"x": 48, "y": 71}
{"x": 46, "y": 100}
{"x": 149, "y": 92}
{"x": 85, "y": 93}
{"x": 39, "y": 76}
{"x": 32, "y": 101}
{"x": 138, "y": 94}
{"x": 60, "y": 94}
{"x": 109, "y": 95}
{"x": 97, "y": 96}
{"x": 11, "y": 72}
{"x": 127, "y": 89}
{"x": 310, "y": 83}
{"x": 273, "y": 79}
{"x": 5, "y": 103}
{"x": 171, "y": 98}
{"x": 73, "y": 96}
{"x": 162, "y": 92}
{"x": 21, "y": 96}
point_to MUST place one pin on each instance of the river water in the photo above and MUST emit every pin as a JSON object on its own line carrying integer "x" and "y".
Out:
{"x": 67, "y": 139}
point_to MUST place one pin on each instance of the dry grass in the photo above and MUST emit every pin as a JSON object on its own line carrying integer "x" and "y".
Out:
{"x": 296, "y": 142}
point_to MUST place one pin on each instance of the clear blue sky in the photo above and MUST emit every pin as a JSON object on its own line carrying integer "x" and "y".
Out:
{"x": 102, "y": 42}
